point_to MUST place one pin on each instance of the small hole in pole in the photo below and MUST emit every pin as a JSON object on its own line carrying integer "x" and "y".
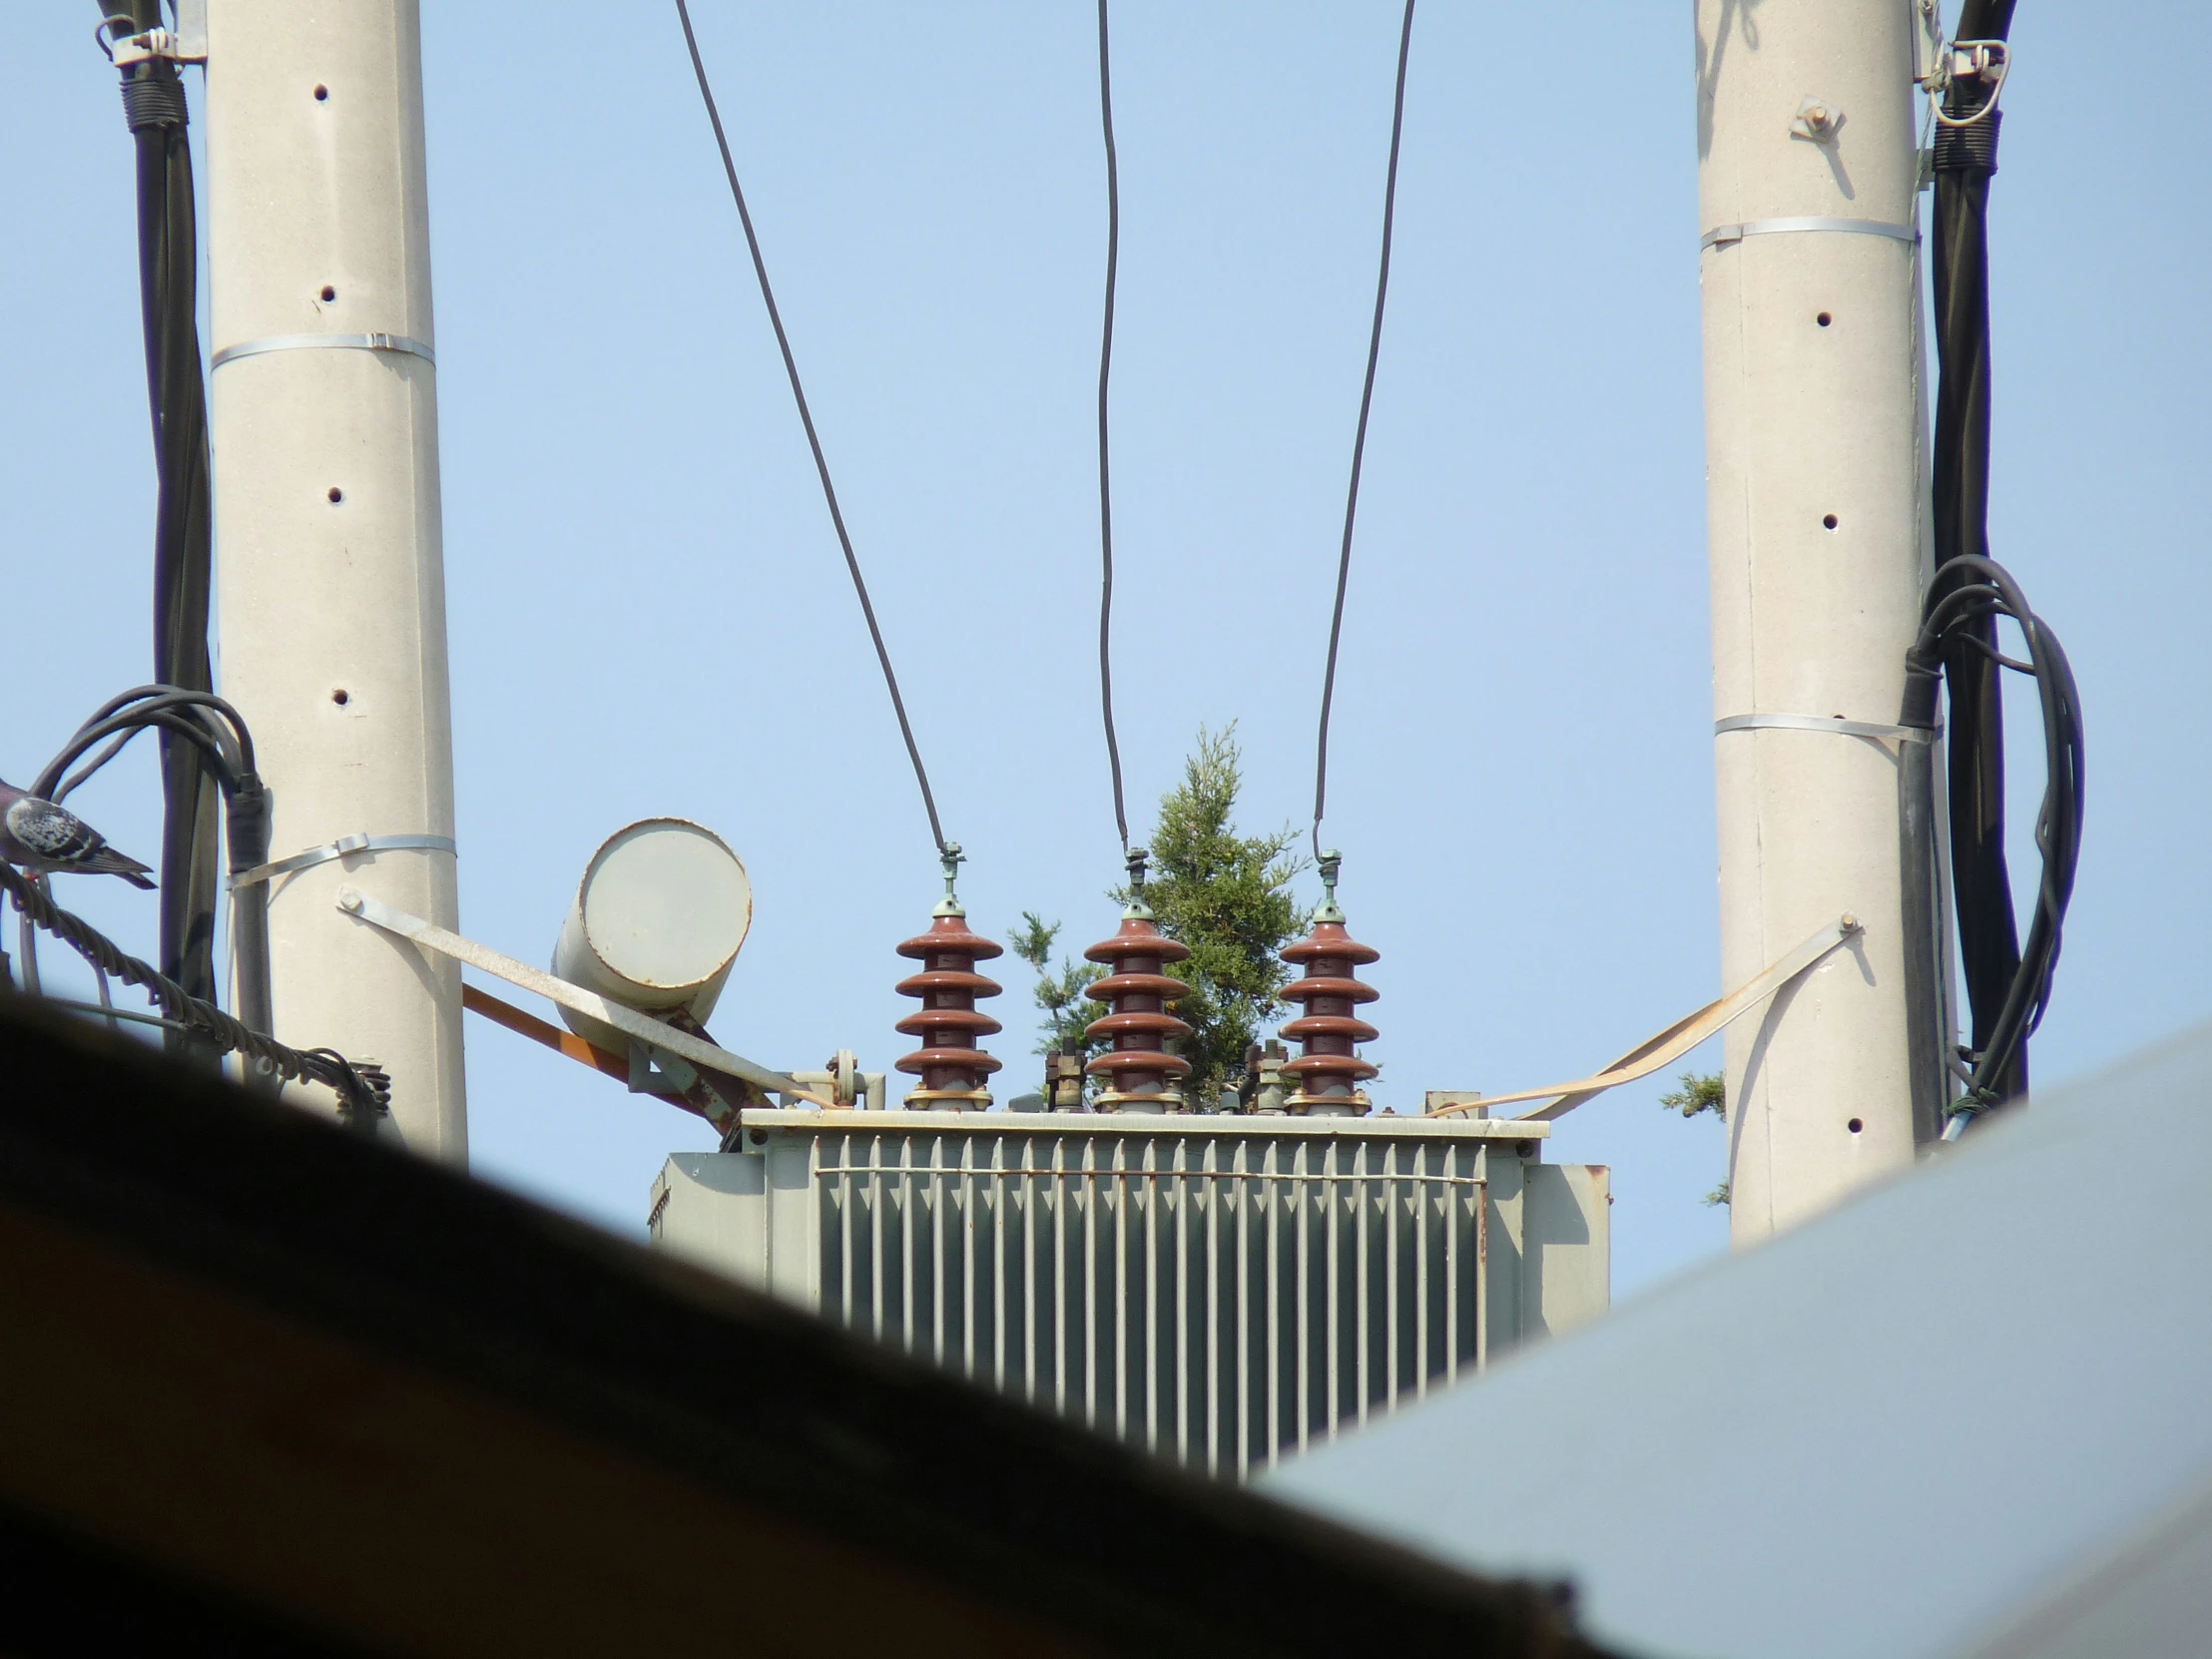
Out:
{"x": 1828, "y": 522}
{"x": 321, "y": 95}
{"x": 328, "y": 294}
{"x": 1824, "y": 319}
{"x": 336, "y": 495}
{"x": 1855, "y": 1125}
{"x": 341, "y": 696}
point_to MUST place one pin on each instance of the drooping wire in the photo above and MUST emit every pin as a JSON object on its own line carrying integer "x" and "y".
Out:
{"x": 1968, "y": 592}
{"x": 1105, "y": 482}
{"x": 807, "y": 419}
{"x": 1360, "y": 436}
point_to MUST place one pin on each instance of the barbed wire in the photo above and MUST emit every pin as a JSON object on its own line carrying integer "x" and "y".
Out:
{"x": 364, "y": 1098}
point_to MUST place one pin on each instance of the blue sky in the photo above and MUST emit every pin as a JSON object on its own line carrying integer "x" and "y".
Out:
{"x": 649, "y": 613}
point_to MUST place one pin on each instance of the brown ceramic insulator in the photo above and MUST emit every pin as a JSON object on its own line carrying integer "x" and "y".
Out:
{"x": 1327, "y": 1030}
{"x": 952, "y": 1068}
{"x": 1137, "y": 1063}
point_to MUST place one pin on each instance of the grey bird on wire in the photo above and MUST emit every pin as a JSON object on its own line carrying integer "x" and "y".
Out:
{"x": 47, "y": 840}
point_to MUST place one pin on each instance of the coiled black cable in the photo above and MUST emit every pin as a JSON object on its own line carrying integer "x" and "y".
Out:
{"x": 1964, "y": 602}
{"x": 215, "y": 735}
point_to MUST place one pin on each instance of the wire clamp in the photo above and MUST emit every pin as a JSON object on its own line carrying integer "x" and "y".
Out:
{"x": 1722, "y": 235}
{"x": 1814, "y": 722}
{"x": 344, "y": 847}
{"x": 187, "y": 43}
{"x": 1987, "y": 61}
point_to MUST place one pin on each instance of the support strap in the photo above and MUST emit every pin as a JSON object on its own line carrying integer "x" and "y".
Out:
{"x": 341, "y": 849}
{"x": 643, "y": 1027}
{"x": 1722, "y": 235}
{"x": 1814, "y": 722}
{"x": 324, "y": 342}
{"x": 1675, "y": 1041}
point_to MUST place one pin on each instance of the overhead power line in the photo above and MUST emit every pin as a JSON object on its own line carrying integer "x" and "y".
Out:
{"x": 1360, "y": 436}
{"x": 813, "y": 442}
{"x": 1105, "y": 479}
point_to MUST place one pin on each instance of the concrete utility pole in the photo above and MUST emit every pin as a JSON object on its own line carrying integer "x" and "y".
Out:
{"x": 1807, "y": 186}
{"x": 330, "y": 563}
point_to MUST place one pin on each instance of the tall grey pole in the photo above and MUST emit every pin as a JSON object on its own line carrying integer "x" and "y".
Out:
{"x": 1808, "y": 270}
{"x": 330, "y": 588}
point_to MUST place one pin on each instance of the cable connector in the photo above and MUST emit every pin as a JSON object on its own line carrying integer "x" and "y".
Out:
{"x": 187, "y": 43}
{"x": 1987, "y": 61}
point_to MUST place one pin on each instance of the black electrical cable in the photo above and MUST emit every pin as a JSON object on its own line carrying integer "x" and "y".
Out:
{"x": 154, "y": 110}
{"x": 212, "y": 730}
{"x": 1360, "y": 436}
{"x": 1990, "y": 955}
{"x": 807, "y": 419}
{"x": 1105, "y": 482}
{"x": 200, "y": 717}
{"x": 1966, "y": 597}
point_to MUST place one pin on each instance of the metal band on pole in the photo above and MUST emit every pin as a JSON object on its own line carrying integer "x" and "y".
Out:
{"x": 341, "y": 849}
{"x": 326, "y": 342}
{"x": 1814, "y": 722}
{"x": 1721, "y": 235}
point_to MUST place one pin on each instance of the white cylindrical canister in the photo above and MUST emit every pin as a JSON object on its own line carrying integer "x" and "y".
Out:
{"x": 655, "y": 924}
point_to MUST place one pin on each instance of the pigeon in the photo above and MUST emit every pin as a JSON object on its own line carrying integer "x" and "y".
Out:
{"x": 47, "y": 840}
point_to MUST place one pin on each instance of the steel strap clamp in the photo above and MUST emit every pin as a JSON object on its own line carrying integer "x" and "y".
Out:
{"x": 1814, "y": 722}
{"x": 400, "y": 344}
{"x": 1721, "y": 235}
{"x": 341, "y": 849}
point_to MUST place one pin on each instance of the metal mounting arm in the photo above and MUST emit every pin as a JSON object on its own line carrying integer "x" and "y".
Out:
{"x": 642, "y": 1027}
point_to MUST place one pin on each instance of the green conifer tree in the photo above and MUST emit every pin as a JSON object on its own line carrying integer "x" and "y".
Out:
{"x": 1228, "y": 897}
{"x": 1224, "y": 895}
{"x": 1067, "y": 1012}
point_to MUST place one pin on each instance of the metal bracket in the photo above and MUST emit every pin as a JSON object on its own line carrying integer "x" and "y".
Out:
{"x": 187, "y": 43}
{"x": 1812, "y": 723}
{"x": 655, "y": 1071}
{"x": 664, "y": 1038}
{"x": 343, "y": 847}
{"x": 401, "y": 344}
{"x": 1967, "y": 60}
{"x": 1720, "y": 236}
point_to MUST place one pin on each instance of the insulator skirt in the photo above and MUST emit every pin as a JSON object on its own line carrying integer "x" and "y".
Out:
{"x": 1138, "y": 1025}
{"x": 1328, "y": 1029}
{"x": 948, "y": 1023}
